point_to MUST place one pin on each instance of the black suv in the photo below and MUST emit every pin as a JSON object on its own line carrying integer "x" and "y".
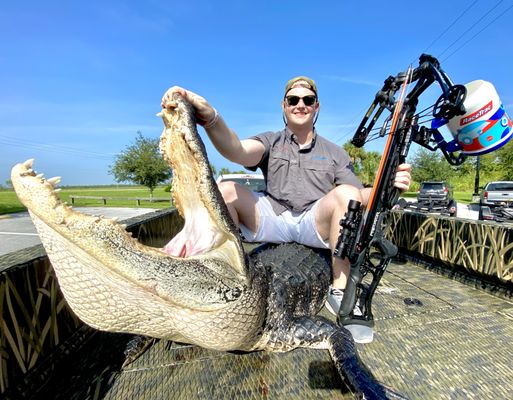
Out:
{"x": 436, "y": 196}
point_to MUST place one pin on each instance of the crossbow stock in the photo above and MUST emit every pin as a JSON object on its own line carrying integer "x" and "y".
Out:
{"x": 362, "y": 234}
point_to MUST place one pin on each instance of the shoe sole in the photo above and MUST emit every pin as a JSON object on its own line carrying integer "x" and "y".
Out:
{"x": 362, "y": 335}
{"x": 356, "y": 340}
{"x": 363, "y": 341}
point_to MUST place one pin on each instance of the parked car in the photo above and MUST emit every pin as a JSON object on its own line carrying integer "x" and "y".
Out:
{"x": 499, "y": 193}
{"x": 435, "y": 197}
{"x": 254, "y": 182}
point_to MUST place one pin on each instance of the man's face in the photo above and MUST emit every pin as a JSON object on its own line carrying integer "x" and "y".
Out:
{"x": 296, "y": 111}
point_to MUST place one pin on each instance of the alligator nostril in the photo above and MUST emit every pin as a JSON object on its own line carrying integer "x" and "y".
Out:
{"x": 410, "y": 301}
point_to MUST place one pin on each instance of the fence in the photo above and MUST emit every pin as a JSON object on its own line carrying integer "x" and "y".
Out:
{"x": 104, "y": 199}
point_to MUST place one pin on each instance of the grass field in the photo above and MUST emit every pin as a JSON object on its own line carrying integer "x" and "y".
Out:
{"x": 9, "y": 203}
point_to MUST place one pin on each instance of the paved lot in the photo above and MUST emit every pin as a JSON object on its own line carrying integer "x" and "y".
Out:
{"x": 17, "y": 231}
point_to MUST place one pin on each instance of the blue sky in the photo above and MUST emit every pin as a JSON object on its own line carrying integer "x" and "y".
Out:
{"x": 80, "y": 79}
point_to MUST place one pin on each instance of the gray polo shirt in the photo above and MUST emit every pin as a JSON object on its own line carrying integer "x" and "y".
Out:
{"x": 296, "y": 178}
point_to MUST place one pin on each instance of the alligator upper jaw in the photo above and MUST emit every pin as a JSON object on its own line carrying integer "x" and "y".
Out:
{"x": 196, "y": 195}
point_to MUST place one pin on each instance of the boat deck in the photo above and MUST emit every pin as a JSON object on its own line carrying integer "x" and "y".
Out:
{"x": 435, "y": 338}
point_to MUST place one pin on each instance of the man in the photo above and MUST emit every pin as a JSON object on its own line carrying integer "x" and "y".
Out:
{"x": 309, "y": 181}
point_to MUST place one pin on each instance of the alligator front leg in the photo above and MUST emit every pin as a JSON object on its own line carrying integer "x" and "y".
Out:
{"x": 136, "y": 347}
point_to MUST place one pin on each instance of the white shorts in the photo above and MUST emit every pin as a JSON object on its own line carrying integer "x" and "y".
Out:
{"x": 287, "y": 227}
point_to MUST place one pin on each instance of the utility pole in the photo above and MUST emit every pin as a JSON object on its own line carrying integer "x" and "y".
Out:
{"x": 476, "y": 179}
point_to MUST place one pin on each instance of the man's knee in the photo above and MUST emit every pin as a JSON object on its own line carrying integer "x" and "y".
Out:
{"x": 228, "y": 190}
{"x": 342, "y": 194}
{"x": 333, "y": 206}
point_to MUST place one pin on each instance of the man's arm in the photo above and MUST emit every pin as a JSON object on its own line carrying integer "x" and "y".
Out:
{"x": 247, "y": 152}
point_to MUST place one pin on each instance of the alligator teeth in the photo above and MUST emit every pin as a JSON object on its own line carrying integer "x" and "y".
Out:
{"x": 28, "y": 163}
{"x": 57, "y": 190}
{"x": 40, "y": 176}
{"x": 55, "y": 180}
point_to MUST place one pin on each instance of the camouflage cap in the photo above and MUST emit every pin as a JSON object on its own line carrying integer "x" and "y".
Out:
{"x": 302, "y": 81}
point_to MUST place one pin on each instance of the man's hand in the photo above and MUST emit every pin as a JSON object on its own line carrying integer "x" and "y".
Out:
{"x": 205, "y": 113}
{"x": 402, "y": 179}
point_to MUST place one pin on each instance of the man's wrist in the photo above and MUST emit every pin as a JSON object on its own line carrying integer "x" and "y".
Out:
{"x": 213, "y": 120}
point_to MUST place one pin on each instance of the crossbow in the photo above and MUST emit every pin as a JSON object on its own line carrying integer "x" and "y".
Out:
{"x": 362, "y": 235}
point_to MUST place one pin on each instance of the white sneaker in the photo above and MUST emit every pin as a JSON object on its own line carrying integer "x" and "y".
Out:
{"x": 361, "y": 333}
{"x": 334, "y": 301}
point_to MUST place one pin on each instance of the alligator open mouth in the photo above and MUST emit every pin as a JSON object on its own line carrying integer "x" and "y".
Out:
{"x": 195, "y": 193}
{"x": 208, "y": 231}
{"x": 203, "y": 269}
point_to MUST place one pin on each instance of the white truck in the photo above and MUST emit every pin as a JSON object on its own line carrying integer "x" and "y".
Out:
{"x": 254, "y": 182}
{"x": 499, "y": 193}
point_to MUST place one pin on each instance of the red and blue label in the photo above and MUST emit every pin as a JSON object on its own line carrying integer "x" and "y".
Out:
{"x": 483, "y": 136}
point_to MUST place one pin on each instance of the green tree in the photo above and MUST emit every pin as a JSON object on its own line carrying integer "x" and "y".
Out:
{"x": 370, "y": 166}
{"x": 356, "y": 154}
{"x": 430, "y": 165}
{"x": 365, "y": 162}
{"x": 505, "y": 161}
{"x": 141, "y": 163}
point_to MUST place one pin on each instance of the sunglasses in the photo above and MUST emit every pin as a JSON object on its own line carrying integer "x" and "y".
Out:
{"x": 307, "y": 100}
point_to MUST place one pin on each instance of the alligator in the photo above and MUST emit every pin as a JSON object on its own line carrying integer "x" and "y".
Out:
{"x": 212, "y": 294}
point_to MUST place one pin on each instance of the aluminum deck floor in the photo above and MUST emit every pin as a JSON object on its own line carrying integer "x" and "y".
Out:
{"x": 435, "y": 338}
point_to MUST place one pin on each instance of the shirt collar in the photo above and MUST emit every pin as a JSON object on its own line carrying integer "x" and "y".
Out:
{"x": 291, "y": 137}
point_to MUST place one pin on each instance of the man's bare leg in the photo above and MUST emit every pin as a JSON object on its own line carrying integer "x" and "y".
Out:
{"x": 241, "y": 204}
{"x": 330, "y": 210}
